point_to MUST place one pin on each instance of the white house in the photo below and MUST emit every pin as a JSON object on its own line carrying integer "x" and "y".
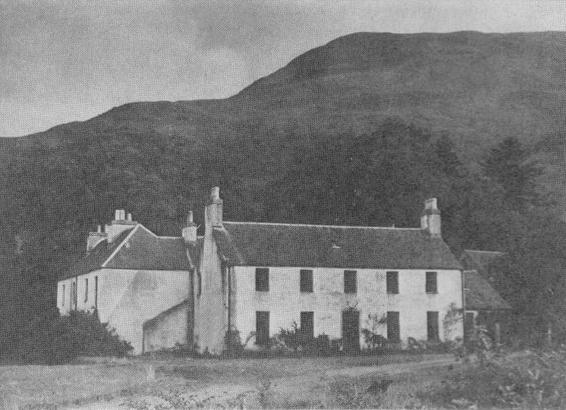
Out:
{"x": 260, "y": 277}
{"x": 335, "y": 280}
{"x": 137, "y": 282}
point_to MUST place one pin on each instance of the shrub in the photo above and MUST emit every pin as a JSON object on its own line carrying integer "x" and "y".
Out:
{"x": 233, "y": 342}
{"x": 60, "y": 339}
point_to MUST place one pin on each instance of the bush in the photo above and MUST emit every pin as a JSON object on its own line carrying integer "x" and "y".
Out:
{"x": 233, "y": 343}
{"x": 60, "y": 339}
{"x": 535, "y": 380}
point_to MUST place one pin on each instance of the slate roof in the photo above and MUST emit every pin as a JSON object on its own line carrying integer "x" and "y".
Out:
{"x": 270, "y": 244}
{"x": 142, "y": 250}
{"x": 95, "y": 258}
{"x": 480, "y": 295}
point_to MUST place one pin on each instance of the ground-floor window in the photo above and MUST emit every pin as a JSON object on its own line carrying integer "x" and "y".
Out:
{"x": 96, "y": 292}
{"x": 432, "y": 325}
{"x": 262, "y": 328}
{"x": 307, "y": 324}
{"x": 393, "y": 327}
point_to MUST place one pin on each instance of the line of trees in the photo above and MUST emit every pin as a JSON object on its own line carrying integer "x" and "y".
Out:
{"x": 54, "y": 195}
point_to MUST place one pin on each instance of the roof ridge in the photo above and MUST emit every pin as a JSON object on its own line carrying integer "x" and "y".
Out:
{"x": 323, "y": 226}
{"x": 115, "y": 252}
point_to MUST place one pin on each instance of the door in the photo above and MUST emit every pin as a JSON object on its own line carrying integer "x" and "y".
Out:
{"x": 351, "y": 330}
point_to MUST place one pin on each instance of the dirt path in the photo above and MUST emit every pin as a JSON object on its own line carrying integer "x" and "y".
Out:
{"x": 250, "y": 395}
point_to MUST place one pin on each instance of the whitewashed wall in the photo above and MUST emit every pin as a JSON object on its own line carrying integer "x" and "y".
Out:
{"x": 127, "y": 298}
{"x": 284, "y": 300}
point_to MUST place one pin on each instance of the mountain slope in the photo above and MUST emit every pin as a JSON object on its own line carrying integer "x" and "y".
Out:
{"x": 476, "y": 87}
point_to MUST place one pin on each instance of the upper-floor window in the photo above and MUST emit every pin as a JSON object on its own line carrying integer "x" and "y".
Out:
{"x": 306, "y": 280}
{"x": 350, "y": 282}
{"x": 262, "y": 279}
{"x": 393, "y": 282}
{"x": 431, "y": 285}
{"x": 86, "y": 289}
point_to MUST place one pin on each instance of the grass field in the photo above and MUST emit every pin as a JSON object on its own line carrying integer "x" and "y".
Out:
{"x": 160, "y": 383}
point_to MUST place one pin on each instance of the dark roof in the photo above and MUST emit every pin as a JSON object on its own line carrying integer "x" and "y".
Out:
{"x": 155, "y": 320}
{"x": 269, "y": 244}
{"x": 479, "y": 260}
{"x": 480, "y": 295}
{"x": 96, "y": 257}
{"x": 142, "y": 251}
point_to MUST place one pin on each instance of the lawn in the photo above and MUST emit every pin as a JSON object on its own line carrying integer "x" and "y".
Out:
{"x": 182, "y": 382}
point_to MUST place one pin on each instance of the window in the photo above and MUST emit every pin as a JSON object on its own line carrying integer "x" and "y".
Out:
{"x": 350, "y": 285}
{"x": 74, "y": 294}
{"x": 262, "y": 279}
{"x": 432, "y": 325}
{"x": 307, "y": 324}
{"x": 393, "y": 282}
{"x": 63, "y": 296}
{"x": 306, "y": 280}
{"x": 431, "y": 282}
{"x": 199, "y": 284}
{"x": 96, "y": 292}
{"x": 393, "y": 328}
{"x": 86, "y": 290}
{"x": 262, "y": 328}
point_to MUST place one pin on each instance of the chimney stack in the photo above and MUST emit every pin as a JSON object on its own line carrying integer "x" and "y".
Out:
{"x": 213, "y": 211}
{"x": 190, "y": 230}
{"x": 94, "y": 238}
{"x": 120, "y": 223}
{"x": 430, "y": 218}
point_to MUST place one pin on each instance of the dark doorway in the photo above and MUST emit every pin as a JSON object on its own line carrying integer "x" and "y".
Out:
{"x": 351, "y": 330}
{"x": 469, "y": 326}
{"x": 262, "y": 328}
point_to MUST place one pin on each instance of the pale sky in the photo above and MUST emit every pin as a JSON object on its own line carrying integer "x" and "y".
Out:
{"x": 70, "y": 60}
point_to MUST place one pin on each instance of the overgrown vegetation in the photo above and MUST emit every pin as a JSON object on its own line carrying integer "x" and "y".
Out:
{"x": 55, "y": 339}
{"x": 51, "y": 197}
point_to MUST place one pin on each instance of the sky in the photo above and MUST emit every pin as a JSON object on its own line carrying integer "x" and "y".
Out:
{"x": 70, "y": 60}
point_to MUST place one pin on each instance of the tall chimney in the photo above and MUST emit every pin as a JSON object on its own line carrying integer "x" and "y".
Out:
{"x": 430, "y": 218}
{"x": 213, "y": 211}
{"x": 190, "y": 230}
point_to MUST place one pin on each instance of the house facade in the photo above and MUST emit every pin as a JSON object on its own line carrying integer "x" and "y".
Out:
{"x": 130, "y": 277}
{"x": 259, "y": 278}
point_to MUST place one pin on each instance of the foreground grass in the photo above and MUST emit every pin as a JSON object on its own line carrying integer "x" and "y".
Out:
{"x": 74, "y": 385}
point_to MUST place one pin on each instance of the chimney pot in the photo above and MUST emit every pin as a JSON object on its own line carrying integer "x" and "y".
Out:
{"x": 117, "y": 215}
{"x": 129, "y": 217}
{"x": 215, "y": 193}
{"x": 189, "y": 218}
{"x": 99, "y": 229}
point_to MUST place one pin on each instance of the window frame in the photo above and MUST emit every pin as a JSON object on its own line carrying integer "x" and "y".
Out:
{"x": 306, "y": 286}
{"x": 350, "y": 285}
{"x": 262, "y": 279}
{"x": 64, "y": 296}
{"x": 86, "y": 290}
{"x": 392, "y": 286}
{"x": 431, "y": 282}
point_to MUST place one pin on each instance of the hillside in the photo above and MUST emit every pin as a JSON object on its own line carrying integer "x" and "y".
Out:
{"x": 477, "y": 88}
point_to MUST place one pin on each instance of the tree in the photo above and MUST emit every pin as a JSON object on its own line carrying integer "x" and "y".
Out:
{"x": 508, "y": 164}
